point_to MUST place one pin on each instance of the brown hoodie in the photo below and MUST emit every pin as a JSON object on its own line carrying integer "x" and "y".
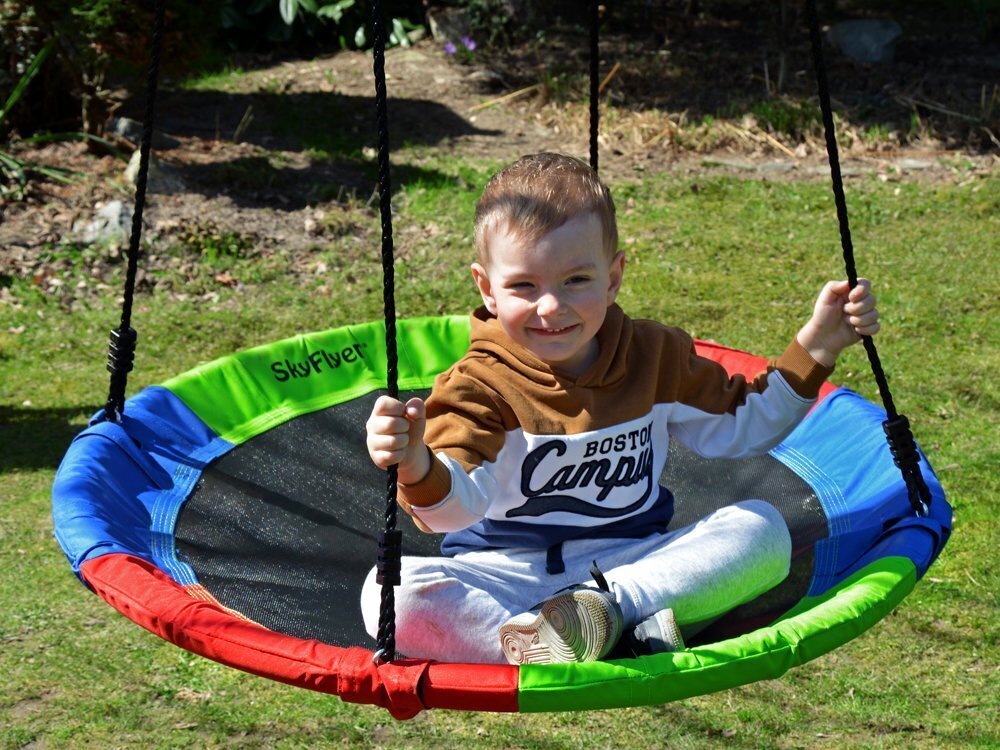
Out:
{"x": 526, "y": 455}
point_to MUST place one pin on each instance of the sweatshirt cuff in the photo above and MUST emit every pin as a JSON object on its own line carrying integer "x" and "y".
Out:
{"x": 803, "y": 373}
{"x": 430, "y": 490}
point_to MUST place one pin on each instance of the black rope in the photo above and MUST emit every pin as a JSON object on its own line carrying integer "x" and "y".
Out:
{"x": 121, "y": 347}
{"x": 390, "y": 540}
{"x": 896, "y": 426}
{"x": 595, "y": 66}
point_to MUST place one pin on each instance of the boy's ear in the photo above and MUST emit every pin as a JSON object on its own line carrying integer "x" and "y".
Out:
{"x": 485, "y": 289}
{"x": 616, "y": 274}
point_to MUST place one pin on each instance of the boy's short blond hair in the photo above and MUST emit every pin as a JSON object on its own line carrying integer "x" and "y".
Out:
{"x": 538, "y": 194}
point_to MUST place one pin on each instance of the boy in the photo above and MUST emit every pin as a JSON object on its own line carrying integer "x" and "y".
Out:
{"x": 539, "y": 451}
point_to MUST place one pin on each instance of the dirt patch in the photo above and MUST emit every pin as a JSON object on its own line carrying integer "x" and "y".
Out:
{"x": 275, "y": 155}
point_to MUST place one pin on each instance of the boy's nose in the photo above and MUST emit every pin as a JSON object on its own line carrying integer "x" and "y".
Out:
{"x": 548, "y": 304}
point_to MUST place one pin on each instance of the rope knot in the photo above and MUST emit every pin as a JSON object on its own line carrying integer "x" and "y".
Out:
{"x": 901, "y": 442}
{"x": 907, "y": 458}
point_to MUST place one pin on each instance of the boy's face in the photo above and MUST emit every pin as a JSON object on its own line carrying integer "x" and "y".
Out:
{"x": 551, "y": 296}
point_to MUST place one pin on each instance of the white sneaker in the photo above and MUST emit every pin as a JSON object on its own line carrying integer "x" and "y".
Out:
{"x": 657, "y": 634}
{"x": 581, "y": 624}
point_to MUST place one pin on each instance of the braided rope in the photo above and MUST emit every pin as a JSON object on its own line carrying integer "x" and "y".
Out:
{"x": 595, "y": 64}
{"x": 896, "y": 426}
{"x": 121, "y": 348}
{"x": 390, "y": 540}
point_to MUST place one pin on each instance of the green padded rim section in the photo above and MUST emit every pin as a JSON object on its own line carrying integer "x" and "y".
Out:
{"x": 814, "y": 627}
{"x": 248, "y": 393}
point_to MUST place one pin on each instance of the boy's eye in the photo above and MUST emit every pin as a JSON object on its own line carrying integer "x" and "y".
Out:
{"x": 579, "y": 279}
{"x": 521, "y": 285}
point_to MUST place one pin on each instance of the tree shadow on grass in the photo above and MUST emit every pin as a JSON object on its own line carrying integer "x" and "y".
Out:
{"x": 38, "y": 438}
{"x": 313, "y": 146}
{"x": 333, "y": 123}
{"x": 259, "y": 182}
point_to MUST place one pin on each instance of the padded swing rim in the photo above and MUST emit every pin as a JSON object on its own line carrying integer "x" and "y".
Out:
{"x": 191, "y": 618}
{"x": 148, "y": 597}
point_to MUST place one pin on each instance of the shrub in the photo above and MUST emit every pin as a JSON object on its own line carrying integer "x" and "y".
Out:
{"x": 101, "y": 46}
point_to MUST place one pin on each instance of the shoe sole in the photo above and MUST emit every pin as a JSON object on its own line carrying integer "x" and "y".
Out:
{"x": 580, "y": 625}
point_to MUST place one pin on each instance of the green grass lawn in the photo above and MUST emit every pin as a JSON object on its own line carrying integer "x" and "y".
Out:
{"x": 736, "y": 261}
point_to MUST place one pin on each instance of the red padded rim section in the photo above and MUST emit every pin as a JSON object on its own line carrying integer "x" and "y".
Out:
{"x": 737, "y": 362}
{"x": 146, "y": 595}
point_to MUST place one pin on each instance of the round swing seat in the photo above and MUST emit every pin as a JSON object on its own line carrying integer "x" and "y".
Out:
{"x": 234, "y": 512}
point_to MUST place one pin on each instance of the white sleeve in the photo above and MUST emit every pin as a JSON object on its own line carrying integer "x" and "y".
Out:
{"x": 758, "y": 424}
{"x": 465, "y": 504}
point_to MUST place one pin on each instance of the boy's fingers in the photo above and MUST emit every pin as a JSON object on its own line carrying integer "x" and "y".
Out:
{"x": 387, "y": 425}
{"x": 868, "y": 330}
{"x": 390, "y": 441}
{"x": 385, "y": 459}
{"x": 864, "y": 319}
{"x": 836, "y": 288}
{"x": 861, "y": 290}
{"x": 388, "y": 406}
{"x": 416, "y": 413}
{"x": 415, "y": 409}
{"x": 862, "y": 306}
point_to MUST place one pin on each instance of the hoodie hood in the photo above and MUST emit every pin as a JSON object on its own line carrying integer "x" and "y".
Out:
{"x": 489, "y": 340}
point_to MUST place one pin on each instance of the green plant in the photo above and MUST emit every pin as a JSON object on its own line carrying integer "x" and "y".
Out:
{"x": 215, "y": 245}
{"x": 102, "y": 46}
{"x": 877, "y": 134}
{"x": 787, "y": 116}
{"x": 491, "y": 20}
{"x": 14, "y": 170}
{"x": 346, "y": 15}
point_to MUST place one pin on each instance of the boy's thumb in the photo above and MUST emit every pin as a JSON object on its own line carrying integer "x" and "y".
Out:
{"x": 416, "y": 413}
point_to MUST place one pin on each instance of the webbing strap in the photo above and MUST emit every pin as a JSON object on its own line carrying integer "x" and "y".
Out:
{"x": 896, "y": 427}
{"x": 121, "y": 348}
{"x": 390, "y": 540}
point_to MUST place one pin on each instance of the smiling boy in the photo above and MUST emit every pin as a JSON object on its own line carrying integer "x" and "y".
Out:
{"x": 538, "y": 453}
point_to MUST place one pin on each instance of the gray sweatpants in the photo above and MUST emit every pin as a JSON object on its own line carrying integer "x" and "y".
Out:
{"x": 450, "y": 608}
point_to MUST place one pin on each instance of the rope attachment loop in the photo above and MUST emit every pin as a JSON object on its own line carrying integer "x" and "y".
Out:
{"x": 907, "y": 458}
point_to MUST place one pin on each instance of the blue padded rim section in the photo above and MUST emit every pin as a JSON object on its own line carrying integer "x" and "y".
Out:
{"x": 120, "y": 486}
{"x": 841, "y": 452}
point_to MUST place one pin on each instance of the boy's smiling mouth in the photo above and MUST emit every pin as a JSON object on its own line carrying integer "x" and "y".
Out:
{"x": 553, "y": 331}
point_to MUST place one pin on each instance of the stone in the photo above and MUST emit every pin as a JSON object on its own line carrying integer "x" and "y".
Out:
{"x": 719, "y": 161}
{"x": 160, "y": 178}
{"x": 449, "y": 23}
{"x": 913, "y": 164}
{"x": 866, "y": 40}
{"x": 131, "y": 130}
{"x": 776, "y": 167}
{"x": 112, "y": 224}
